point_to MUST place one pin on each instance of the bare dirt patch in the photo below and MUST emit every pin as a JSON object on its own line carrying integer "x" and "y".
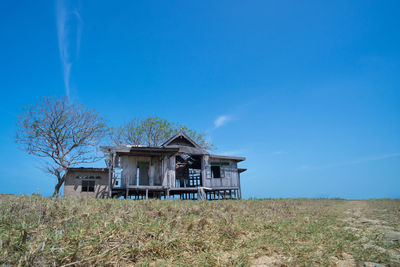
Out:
{"x": 268, "y": 261}
{"x": 377, "y": 229}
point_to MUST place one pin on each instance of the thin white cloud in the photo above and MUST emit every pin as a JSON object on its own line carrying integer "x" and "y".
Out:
{"x": 351, "y": 162}
{"x": 221, "y": 120}
{"x": 69, "y": 29}
{"x": 279, "y": 152}
{"x": 233, "y": 152}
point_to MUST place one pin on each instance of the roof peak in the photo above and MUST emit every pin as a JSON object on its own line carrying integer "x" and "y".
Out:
{"x": 181, "y": 133}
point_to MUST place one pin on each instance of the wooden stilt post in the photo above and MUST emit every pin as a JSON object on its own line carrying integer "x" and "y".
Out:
{"x": 147, "y": 193}
{"x": 240, "y": 188}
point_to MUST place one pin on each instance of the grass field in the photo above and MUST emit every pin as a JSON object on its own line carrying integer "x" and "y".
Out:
{"x": 45, "y": 231}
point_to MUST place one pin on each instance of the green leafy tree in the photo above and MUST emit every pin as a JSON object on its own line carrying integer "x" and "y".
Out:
{"x": 152, "y": 132}
{"x": 63, "y": 133}
{"x": 199, "y": 138}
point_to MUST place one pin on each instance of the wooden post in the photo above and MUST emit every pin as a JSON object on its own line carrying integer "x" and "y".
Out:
{"x": 110, "y": 180}
{"x": 240, "y": 188}
{"x": 147, "y": 193}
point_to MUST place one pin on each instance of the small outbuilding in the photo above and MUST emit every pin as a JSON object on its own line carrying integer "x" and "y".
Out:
{"x": 87, "y": 182}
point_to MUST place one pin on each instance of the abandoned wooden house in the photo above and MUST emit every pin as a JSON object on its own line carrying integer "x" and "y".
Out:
{"x": 179, "y": 168}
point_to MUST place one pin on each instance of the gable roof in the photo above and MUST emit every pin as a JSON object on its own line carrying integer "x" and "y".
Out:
{"x": 181, "y": 135}
{"x": 188, "y": 146}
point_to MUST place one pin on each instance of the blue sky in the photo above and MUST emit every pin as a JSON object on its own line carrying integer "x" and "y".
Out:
{"x": 307, "y": 91}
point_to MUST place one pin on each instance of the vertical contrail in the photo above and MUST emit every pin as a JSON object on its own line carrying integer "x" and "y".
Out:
{"x": 69, "y": 28}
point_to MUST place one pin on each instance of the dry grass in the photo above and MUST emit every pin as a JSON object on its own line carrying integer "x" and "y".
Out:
{"x": 79, "y": 232}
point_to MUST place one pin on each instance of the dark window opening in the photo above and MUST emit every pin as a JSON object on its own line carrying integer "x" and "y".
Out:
{"x": 218, "y": 169}
{"x": 215, "y": 171}
{"x": 88, "y": 186}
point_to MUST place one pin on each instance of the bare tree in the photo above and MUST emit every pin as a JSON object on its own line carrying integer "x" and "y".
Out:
{"x": 65, "y": 133}
{"x": 131, "y": 133}
{"x": 156, "y": 130}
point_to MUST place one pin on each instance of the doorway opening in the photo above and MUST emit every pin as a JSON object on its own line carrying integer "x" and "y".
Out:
{"x": 188, "y": 171}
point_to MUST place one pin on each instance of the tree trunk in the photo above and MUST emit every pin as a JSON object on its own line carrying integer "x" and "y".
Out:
{"x": 58, "y": 185}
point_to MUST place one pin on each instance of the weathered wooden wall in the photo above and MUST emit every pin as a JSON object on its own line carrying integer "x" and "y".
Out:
{"x": 231, "y": 178}
{"x": 156, "y": 171}
{"x": 129, "y": 170}
{"x": 162, "y": 171}
{"x": 168, "y": 171}
{"x": 129, "y": 165}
